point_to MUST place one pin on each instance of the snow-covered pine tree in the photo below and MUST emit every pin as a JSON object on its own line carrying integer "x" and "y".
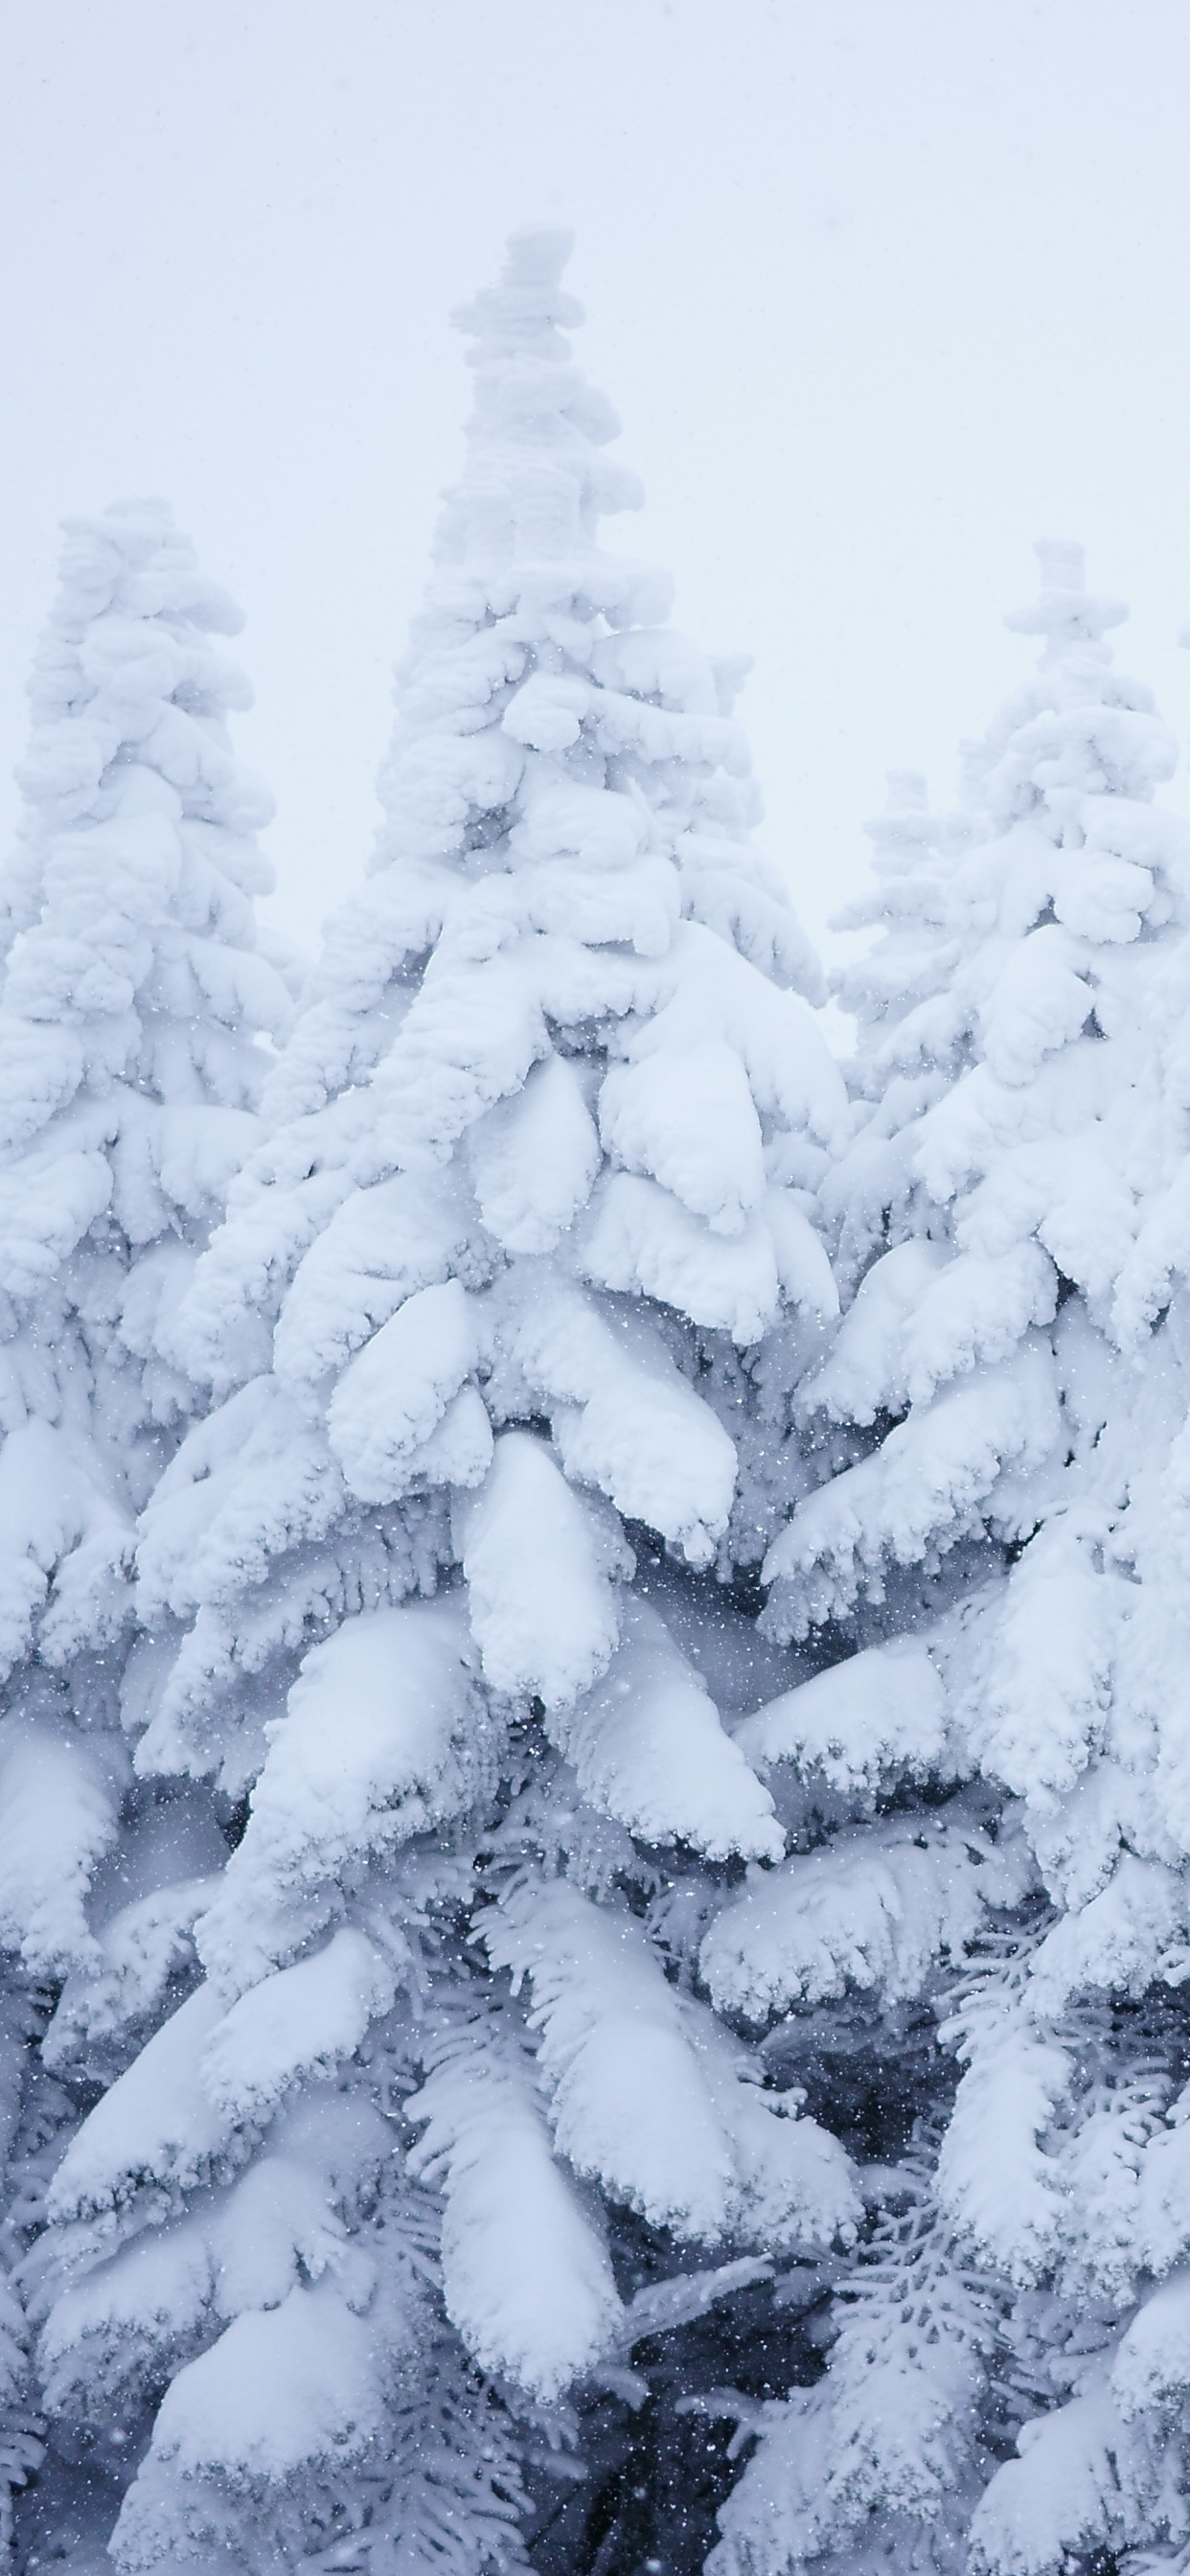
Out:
{"x": 133, "y": 1000}
{"x": 428, "y": 2146}
{"x": 1007, "y": 1555}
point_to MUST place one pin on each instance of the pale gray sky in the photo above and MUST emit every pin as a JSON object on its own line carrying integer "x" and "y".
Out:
{"x": 882, "y": 289}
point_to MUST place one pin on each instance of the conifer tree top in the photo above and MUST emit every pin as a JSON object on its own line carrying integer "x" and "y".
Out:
{"x": 125, "y": 640}
{"x": 532, "y": 401}
{"x": 1065, "y": 613}
{"x": 126, "y": 910}
{"x": 524, "y": 309}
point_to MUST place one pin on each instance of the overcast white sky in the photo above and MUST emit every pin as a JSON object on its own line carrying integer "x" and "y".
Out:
{"x": 882, "y": 290}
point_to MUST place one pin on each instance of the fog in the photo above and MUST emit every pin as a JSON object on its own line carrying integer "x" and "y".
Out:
{"x": 880, "y": 293}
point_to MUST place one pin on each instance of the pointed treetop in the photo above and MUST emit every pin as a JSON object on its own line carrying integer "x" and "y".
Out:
{"x": 127, "y": 939}
{"x": 909, "y": 827}
{"x": 1066, "y": 613}
{"x": 523, "y": 310}
{"x": 906, "y": 791}
{"x": 133, "y": 556}
{"x": 534, "y": 487}
{"x": 906, "y": 827}
{"x": 125, "y": 680}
